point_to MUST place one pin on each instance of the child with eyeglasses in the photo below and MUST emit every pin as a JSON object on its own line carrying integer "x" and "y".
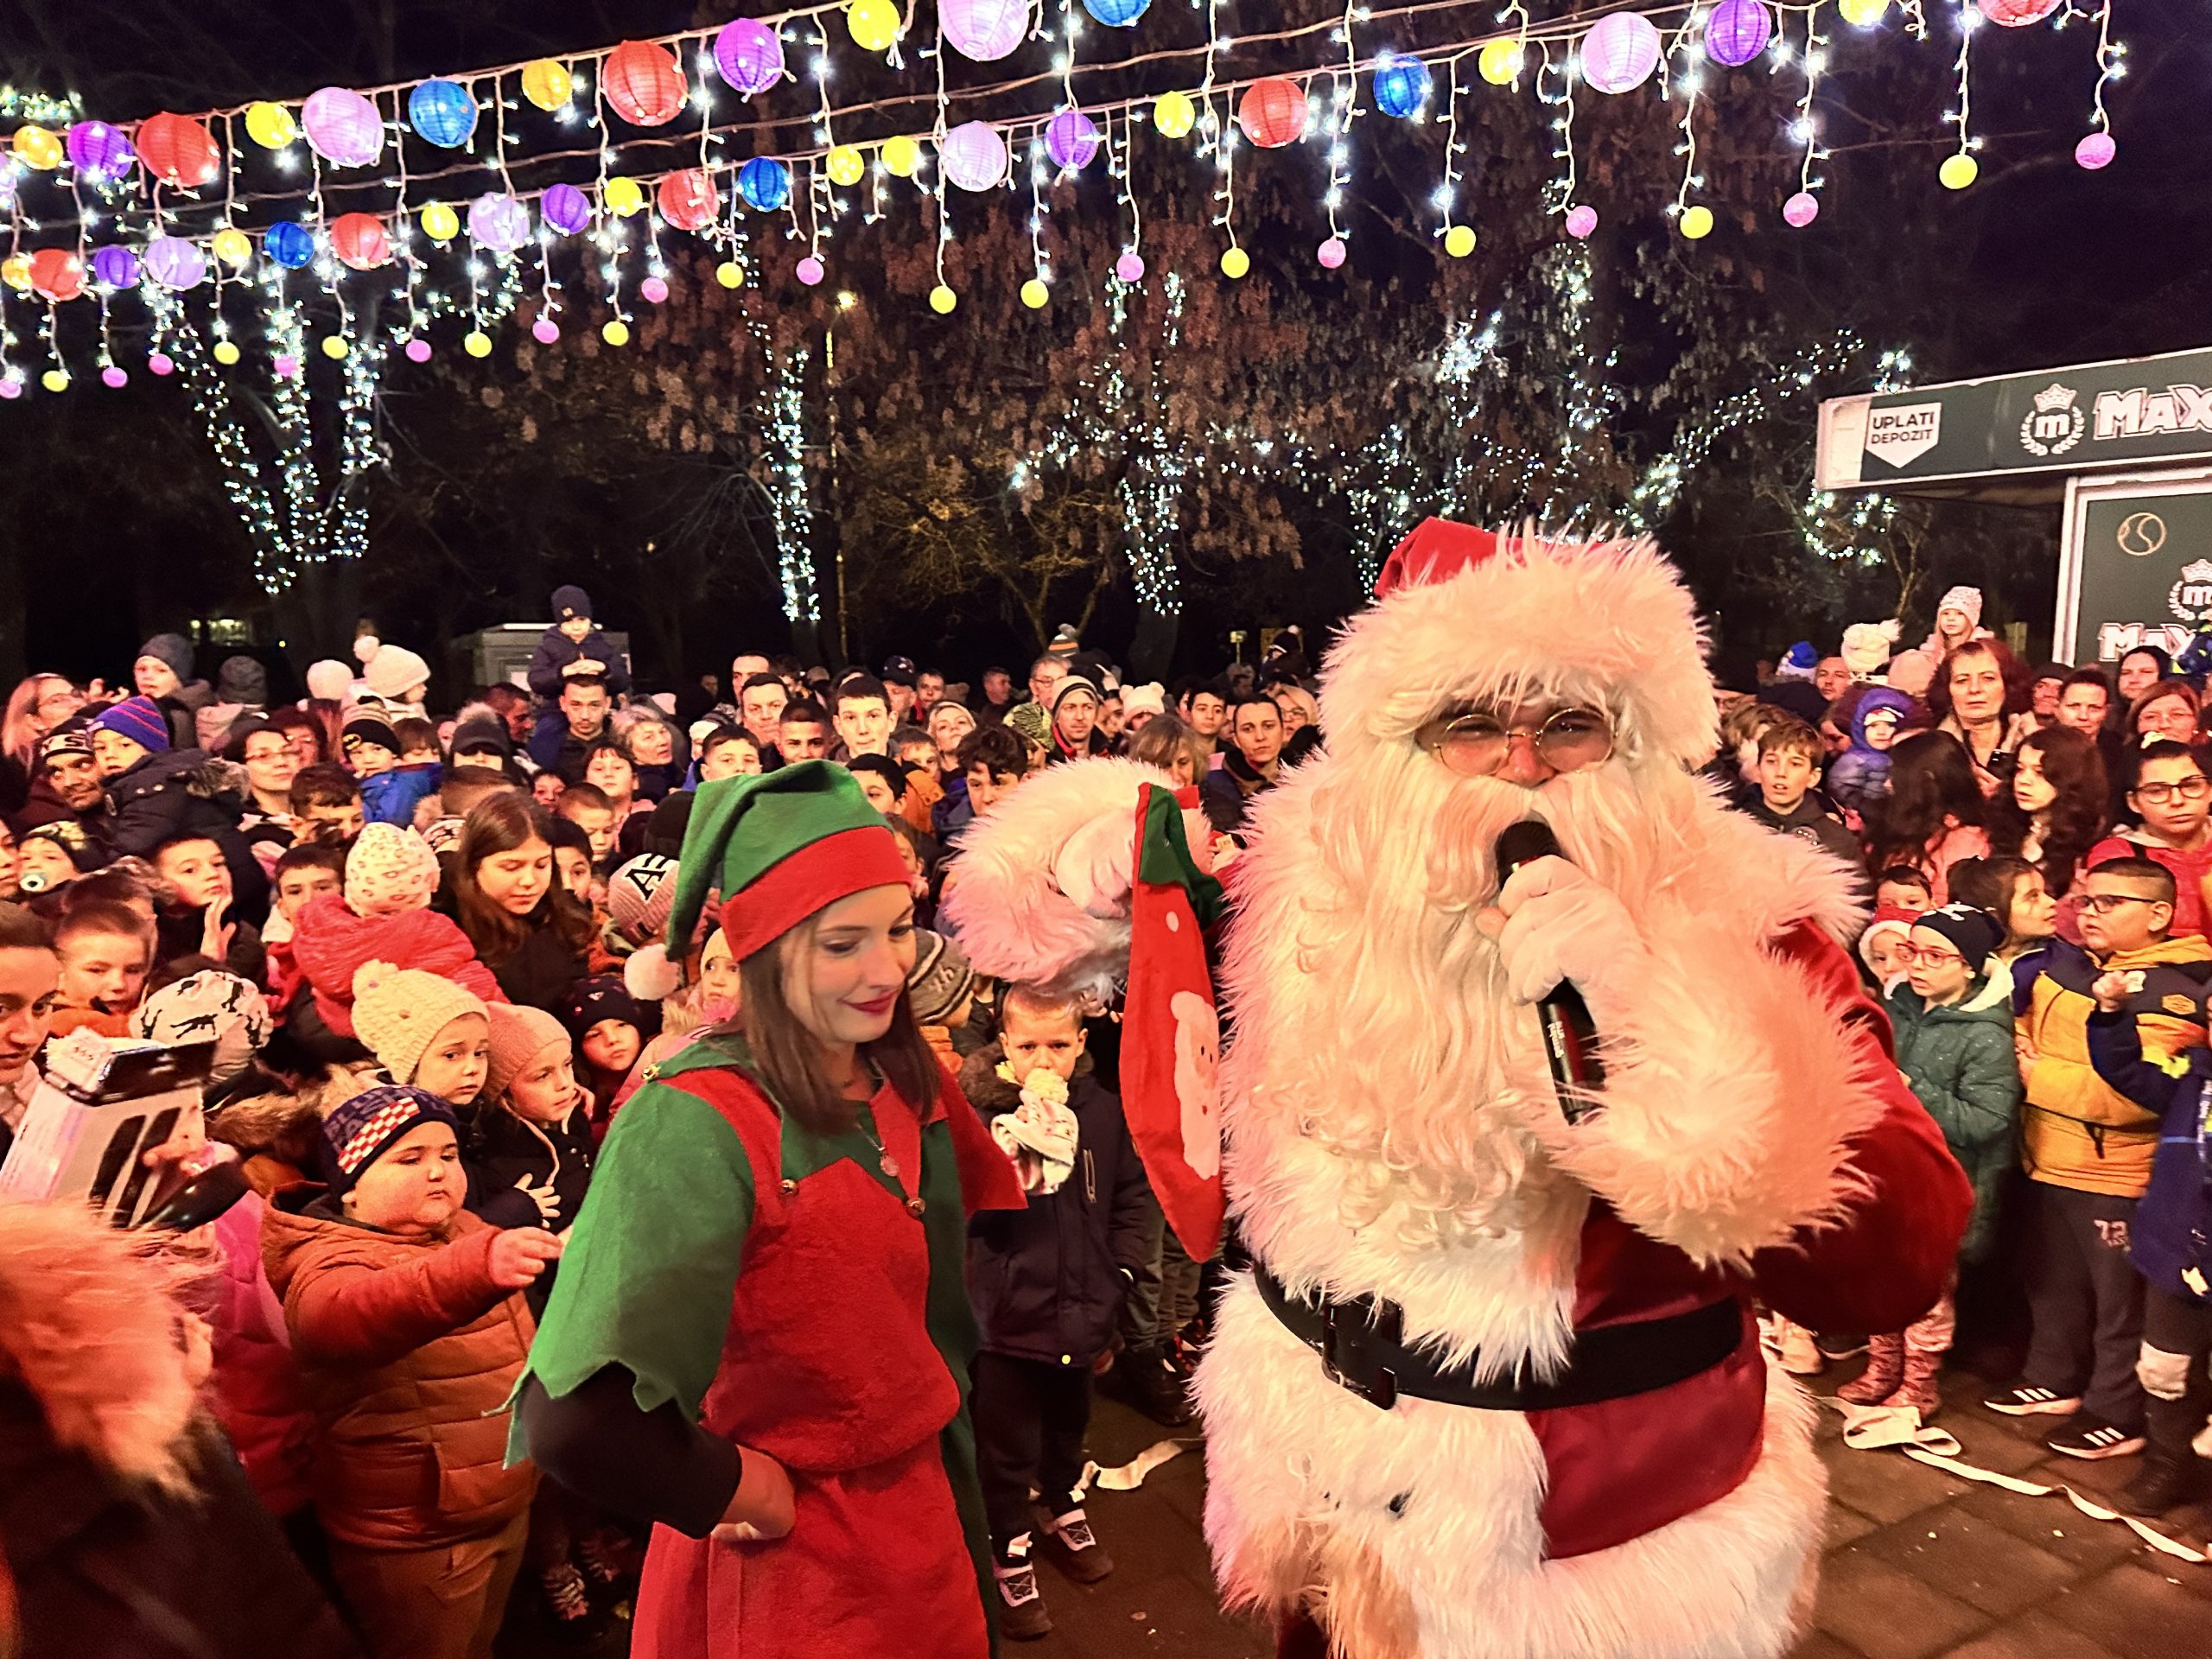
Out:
{"x": 2170, "y": 800}
{"x": 1953, "y": 1016}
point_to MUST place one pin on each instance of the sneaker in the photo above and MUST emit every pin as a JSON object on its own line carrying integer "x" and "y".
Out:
{"x": 1800, "y": 1355}
{"x": 2164, "y": 1483}
{"x": 1022, "y": 1614}
{"x": 2028, "y": 1400}
{"x": 2094, "y": 1439}
{"x": 1834, "y": 1348}
{"x": 1074, "y": 1549}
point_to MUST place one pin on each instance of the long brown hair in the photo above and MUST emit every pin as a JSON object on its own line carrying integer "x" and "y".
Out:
{"x": 789, "y": 1060}
{"x": 499, "y": 823}
{"x": 2075, "y": 771}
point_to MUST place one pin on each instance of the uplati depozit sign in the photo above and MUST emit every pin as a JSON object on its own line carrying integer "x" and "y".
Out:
{"x": 2086, "y": 418}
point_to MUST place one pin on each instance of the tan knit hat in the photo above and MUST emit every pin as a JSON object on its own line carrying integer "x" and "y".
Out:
{"x": 387, "y": 864}
{"x": 519, "y": 1035}
{"x": 398, "y": 1011}
{"x": 394, "y": 671}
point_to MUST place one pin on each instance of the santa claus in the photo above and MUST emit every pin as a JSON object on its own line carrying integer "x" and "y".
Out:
{"x": 1491, "y": 1388}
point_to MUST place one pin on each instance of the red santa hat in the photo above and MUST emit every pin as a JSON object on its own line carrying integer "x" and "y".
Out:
{"x": 1889, "y": 919}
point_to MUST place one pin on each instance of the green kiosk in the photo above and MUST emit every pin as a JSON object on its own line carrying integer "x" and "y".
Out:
{"x": 2126, "y": 446}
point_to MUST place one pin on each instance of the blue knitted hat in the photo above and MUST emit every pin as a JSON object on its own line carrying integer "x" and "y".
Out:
{"x": 138, "y": 719}
{"x": 361, "y": 1131}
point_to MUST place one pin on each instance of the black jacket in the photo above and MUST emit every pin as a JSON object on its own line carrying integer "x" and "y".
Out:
{"x": 1047, "y": 1282}
{"x": 505, "y": 1150}
{"x": 181, "y": 793}
{"x": 543, "y": 971}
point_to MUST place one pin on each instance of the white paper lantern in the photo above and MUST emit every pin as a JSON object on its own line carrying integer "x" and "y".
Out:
{"x": 1620, "y": 52}
{"x": 974, "y": 156}
{"x": 985, "y": 30}
{"x": 497, "y": 222}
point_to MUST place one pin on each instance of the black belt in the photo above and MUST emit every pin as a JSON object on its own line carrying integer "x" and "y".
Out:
{"x": 1361, "y": 1342}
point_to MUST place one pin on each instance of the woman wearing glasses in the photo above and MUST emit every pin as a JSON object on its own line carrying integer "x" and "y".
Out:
{"x": 2171, "y": 801}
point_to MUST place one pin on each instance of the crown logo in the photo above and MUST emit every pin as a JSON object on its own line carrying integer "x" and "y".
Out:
{"x": 2054, "y": 397}
{"x": 2197, "y": 570}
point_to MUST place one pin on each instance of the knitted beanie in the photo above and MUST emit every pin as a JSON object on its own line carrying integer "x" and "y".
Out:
{"x": 241, "y": 679}
{"x": 1967, "y": 600}
{"x": 138, "y": 719}
{"x": 571, "y": 601}
{"x": 1029, "y": 722}
{"x": 941, "y": 979}
{"x": 1799, "y": 663}
{"x": 1975, "y": 934}
{"x": 640, "y": 894}
{"x": 367, "y": 726}
{"x": 1148, "y": 698}
{"x": 357, "y": 1132}
{"x": 395, "y": 672}
{"x": 172, "y": 649}
{"x": 519, "y": 1035}
{"x": 1073, "y": 683}
{"x": 398, "y": 1011}
{"x": 389, "y": 865}
{"x": 73, "y": 736}
{"x": 329, "y": 680}
{"x": 603, "y": 996}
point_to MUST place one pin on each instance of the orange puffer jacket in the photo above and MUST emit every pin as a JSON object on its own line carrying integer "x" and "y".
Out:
{"x": 407, "y": 1352}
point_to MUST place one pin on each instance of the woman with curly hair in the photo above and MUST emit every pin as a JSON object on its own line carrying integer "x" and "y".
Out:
{"x": 1934, "y": 814}
{"x": 2054, "y": 811}
{"x": 1981, "y": 695}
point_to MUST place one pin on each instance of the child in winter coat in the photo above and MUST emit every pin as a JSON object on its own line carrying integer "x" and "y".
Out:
{"x": 391, "y": 785}
{"x": 1953, "y": 1016}
{"x": 532, "y": 1132}
{"x": 609, "y": 1029}
{"x": 1860, "y": 775}
{"x": 574, "y": 645}
{"x": 1048, "y": 1284}
{"x": 409, "y": 1333}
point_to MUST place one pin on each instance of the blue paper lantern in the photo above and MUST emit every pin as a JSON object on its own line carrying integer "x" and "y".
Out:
{"x": 1401, "y": 86}
{"x": 290, "y": 244}
{"x": 765, "y": 184}
{"x": 442, "y": 112}
{"x": 1116, "y": 14}
{"x": 1737, "y": 32}
{"x": 565, "y": 209}
{"x": 116, "y": 266}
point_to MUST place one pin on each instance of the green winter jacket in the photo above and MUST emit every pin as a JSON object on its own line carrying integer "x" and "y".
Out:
{"x": 1960, "y": 1062}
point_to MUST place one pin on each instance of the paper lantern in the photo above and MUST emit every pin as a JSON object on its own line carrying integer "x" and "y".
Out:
{"x": 160, "y": 363}
{"x": 334, "y": 347}
{"x": 810, "y": 271}
{"x": 615, "y": 332}
{"x": 361, "y": 241}
{"x": 1071, "y": 140}
{"x": 2095, "y": 151}
{"x": 114, "y": 377}
{"x": 343, "y": 127}
{"x": 1174, "y": 115}
{"x": 1272, "y": 112}
{"x": 547, "y": 83}
{"x": 56, "y": 380}
{"x": 1235, "y": 264}
{"x": 1401, "y": 86}
{"x": 846, "y": 165}
{"x": 545, "y": 331}
{"x": 1800, "y": 210}
{"x": 902, "y": 155}
{"x": 38, "y": 149}
{"x": 1330, "y": 253}
{"x": 1116, "y": 14}
{"x": 654, "y": 290}
{"x": 1459, "y": 241}
{"x": 765, "y": 184}
{"x": 689, "y": 199}
{"x": 99, "y": 151}
{"x": 750, "y": 56}
{"x": 985, "y": 30}
{"x": 224, "y": 352}
{"x": 623, "y": 197}
{"x": 1737, "y": 32}
{"x": 730, "y": 274}
{"x": 874, "y": 24}
{"x": 644, "y": 83}
{"x": 941, "y": 300}
{"x": 476, "y": 343}
{"x": 1035, "y": 295}
{"x": 1958, "y": 172}
{"x": 2017, "y": 14}
{"x": 116, "y": 267}
{"x": 440, "y": 224}
{"x": 174, "y": 262}
{"x": 497, "y": 222}
{"x": 290, "y": 244}
{"x": 418, "y": 351}
{"x": 15, "y": 271}
{"x": 566, "y": 208}
{"x": 1130, "y": 267}
{"x": 1499, "y": 62}
{"x": 1620, "y": 52}
{"x": 442, "y": 112}
{"x": 232, "y": 246}
{"x": 57, "y": 273}
{"x": 1695, "y": 223}
{"x": 1581, "y": 221}
{"x": 1864, "y": 14}
{"x": 270, "y": 126}
{"x": 178, "y": 151}
{"x": 974, "y": 156}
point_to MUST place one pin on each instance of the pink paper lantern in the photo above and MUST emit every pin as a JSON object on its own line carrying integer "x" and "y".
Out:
{"x": 1581, "y": 220}
{"x": 1130, "y": 267}
{"x": 545, "y": 331}
{"x": 2017, "y": 14}
{"x": 1272, "y": 112}
{"x": 160, "y": 364}
{"x": 984, "y": 31}
{"x": 343, "y": 127}
{"x": 11, "y": 388}
{"x": 2095, "y": 151}
{"x": 1800, "y": 210}
{"x": 286, "y": 365}
{"x": 1620, "y": 52}
{"x": 974, "y": 156}
{"x": 114, "y": 377}
{"x": 1331, "y": 253}
{"x": 654, "y": 290}
{"x": 810, "y": 271}
{"x": 418, "y": 351}
{"x": 750, "y": 56}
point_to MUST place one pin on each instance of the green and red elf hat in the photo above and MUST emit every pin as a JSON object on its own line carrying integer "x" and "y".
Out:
{"x": 777, "y": 848}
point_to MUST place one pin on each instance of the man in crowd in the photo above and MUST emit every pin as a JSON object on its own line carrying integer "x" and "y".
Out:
{"x": 1044, "y": 676}
{"x": 863, "y": 716}
{"x": 563, "y": 736}
{"x": 27, "y": 975}
{"x": 1205, "y": 707}
{"x": 929, "y": 691}
{"x": 66, "y": 786}
{"x": 998, "y": 696}
{"x": 760, "y": 707}
{"x": 803, "y": 732}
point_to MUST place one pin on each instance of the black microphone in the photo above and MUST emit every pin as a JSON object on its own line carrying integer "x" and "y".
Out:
{"x": 1570, "y": 1034}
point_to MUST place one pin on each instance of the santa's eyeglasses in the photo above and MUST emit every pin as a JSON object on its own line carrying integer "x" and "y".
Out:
{"x": 1476, "y": 744}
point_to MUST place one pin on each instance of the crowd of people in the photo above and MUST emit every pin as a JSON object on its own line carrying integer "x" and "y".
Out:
{"x": 409, "y": 935}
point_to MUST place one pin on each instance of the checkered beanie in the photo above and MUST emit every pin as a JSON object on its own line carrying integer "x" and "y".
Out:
{"x": 359, "y": 1131}
{"x": 390, "y": 868}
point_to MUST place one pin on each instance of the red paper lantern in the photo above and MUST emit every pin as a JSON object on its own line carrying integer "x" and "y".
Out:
{"x": 2018, "y": 13}
{"x": 689, "y": 199}
{"x": 1272, "y": 112}
{"x": 644, "y": 83}
{"x": 178, "y": 150}
{"x": 57, "y": 273}
{"x": 359, "y": 241}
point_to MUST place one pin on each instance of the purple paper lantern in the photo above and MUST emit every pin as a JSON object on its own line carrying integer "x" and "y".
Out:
{"x": 497, "y": 222}
{"x": 160, "y": 364}
{"x": 1800, "y": 210}
{"x": 1331, "y": 253}
{"x": 2095, "y": 151}
{"x": 1130, "y": 267}
{"x": 974, "y": 156}
{"x": 174, "y": 262}
{"x": 118, "y": 267}
{"x": 343, "y": 127}
{"x": 545, "y": 331}
{"x": 1620, "y": 52}
{"x": 566, "y": 208}
{"x": 750, "y": 56}
{"x": 810, "y": 271}
{"x": 1581, "y": 220}
{"x": 983, "y": 31}
{"x": 114, "y": 377}
{"x": 99, "y": 151}
{"x": 1071, "y": 140}
{"x": 1737, "y": 32}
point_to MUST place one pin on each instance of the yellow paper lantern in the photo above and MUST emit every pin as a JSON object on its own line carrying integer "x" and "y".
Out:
{"x": 440, "y": 223}
{"x": 874, "y": 24}
{"x": 1459, "y": 241}
{"x": 1865, "y": 14}
{"x": 1174, "y": 115}
{"x": 232, "y": 246}
{"x": 54, "y": 380}
{"x": 225, "y": 352}
{"x": 902, "y": 155}
{"x": 616, "y": 332}
{"x": 1958, "y": 171}
{"x": 270, "y": 126}
{"x": 1235, "y": 264}
{"x": 1499, "y": 62}
{"x": 1035, "y": 295}
{"x": 730, "y": 274}
{"x": 846, "y": 166}
{"x": 1696, "y": 223}
{"x": 15, "y": 271}
{"x": 941, "y": 300}
{"x": 37, "y": 149}
{"x": 476, "y": 343}
{"x": 547, "y": 83}
{"x": 624, "y": 197}
{"x": 334, "y": 347}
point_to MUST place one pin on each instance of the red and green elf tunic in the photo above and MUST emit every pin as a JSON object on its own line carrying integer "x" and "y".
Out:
{"x": 803, "y": 1295}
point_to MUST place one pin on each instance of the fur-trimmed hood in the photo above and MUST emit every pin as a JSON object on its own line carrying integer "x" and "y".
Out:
{"x": 991, "y": 1094}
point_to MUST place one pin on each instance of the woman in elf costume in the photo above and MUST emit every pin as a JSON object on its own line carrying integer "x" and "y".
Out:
{"x": 760, "y": 1338}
